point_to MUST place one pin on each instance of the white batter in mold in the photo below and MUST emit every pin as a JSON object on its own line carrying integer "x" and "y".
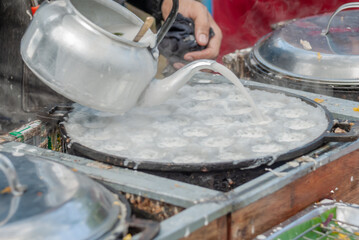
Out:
{"x": 217, "y": 120}
{"x": 233, "y": 110}
{"x": 300, "y": 124}
{"x": 217, "y": 142}
{"x": 292, "y": 113}
{"x": 187, "y": 159}
{"x": 251, "y": 132}
{"x": 205, "y": 123}
{"x": 196, "y": 131}
{"x": 267, "y": 148}
{"x": 146, "y": 154}
{"x": 272, "y": 104}
{"x": 206, "y": 95}
{"x": 290, "y": 137}
{"x": 230, "y": 156}
{"x": 172, "y": 142}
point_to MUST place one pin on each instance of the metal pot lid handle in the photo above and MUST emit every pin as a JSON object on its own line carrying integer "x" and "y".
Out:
{"x": 341, "y": 8}
{"x": 168, "y": 23}
{"x": 8, "y": 169}
{"x": 351, "y": 135}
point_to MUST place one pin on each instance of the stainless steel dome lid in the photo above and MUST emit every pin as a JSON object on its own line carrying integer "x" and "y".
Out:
{"x": 57, "y": 203}
{"x": 300, "y": 48}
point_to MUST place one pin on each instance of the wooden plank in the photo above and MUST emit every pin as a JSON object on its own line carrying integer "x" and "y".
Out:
{"x": 337, "y": 180}
{"x": 215, "y": 230}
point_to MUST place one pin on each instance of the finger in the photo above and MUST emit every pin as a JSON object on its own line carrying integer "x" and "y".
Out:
{"x": 166, "y": 8}
{"x": 212, "y": 50}
{"x": 207, "y": 53}
{"x": 178, "y": 65}
{"x": 201, "y": 24}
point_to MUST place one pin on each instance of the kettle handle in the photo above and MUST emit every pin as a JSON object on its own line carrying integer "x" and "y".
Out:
{"x": 8, "y": 168}
{"x": 341, "y": 8}
{"x": 168, "y": 23}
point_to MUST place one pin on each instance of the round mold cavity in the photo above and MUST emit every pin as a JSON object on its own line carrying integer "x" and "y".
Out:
{"x": 251, "y": 132}
{"x": 196, "y": 131}
{"x": 271, "y": 104}
{"x": 291, "y": 113}
{"x": 188, "y": 158}
{"x": 217, "y": 142}
{"x": 267, "y": 148}
{"x": 171, "y": 142}
{"x": 290, "y": 137}
{"x": 206, "y": 95}
{"x": 300, "y": 124}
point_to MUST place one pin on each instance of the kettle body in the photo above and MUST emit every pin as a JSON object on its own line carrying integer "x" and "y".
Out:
{"x": 83, "y": 50}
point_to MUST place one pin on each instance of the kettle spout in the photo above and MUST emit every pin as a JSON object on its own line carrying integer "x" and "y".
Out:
{"x": 161, "y": 89}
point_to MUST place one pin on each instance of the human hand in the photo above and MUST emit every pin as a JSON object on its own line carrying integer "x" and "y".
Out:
{"x": 203, "y": 22}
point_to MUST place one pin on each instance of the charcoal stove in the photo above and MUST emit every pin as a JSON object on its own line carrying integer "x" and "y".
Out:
{"x": 205, "y": 207}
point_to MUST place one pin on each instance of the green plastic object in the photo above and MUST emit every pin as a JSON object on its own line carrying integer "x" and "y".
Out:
{"x": 316, "y": 227}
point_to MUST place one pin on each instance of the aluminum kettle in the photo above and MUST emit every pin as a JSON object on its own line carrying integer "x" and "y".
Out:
{"x": 83, "y": 49}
